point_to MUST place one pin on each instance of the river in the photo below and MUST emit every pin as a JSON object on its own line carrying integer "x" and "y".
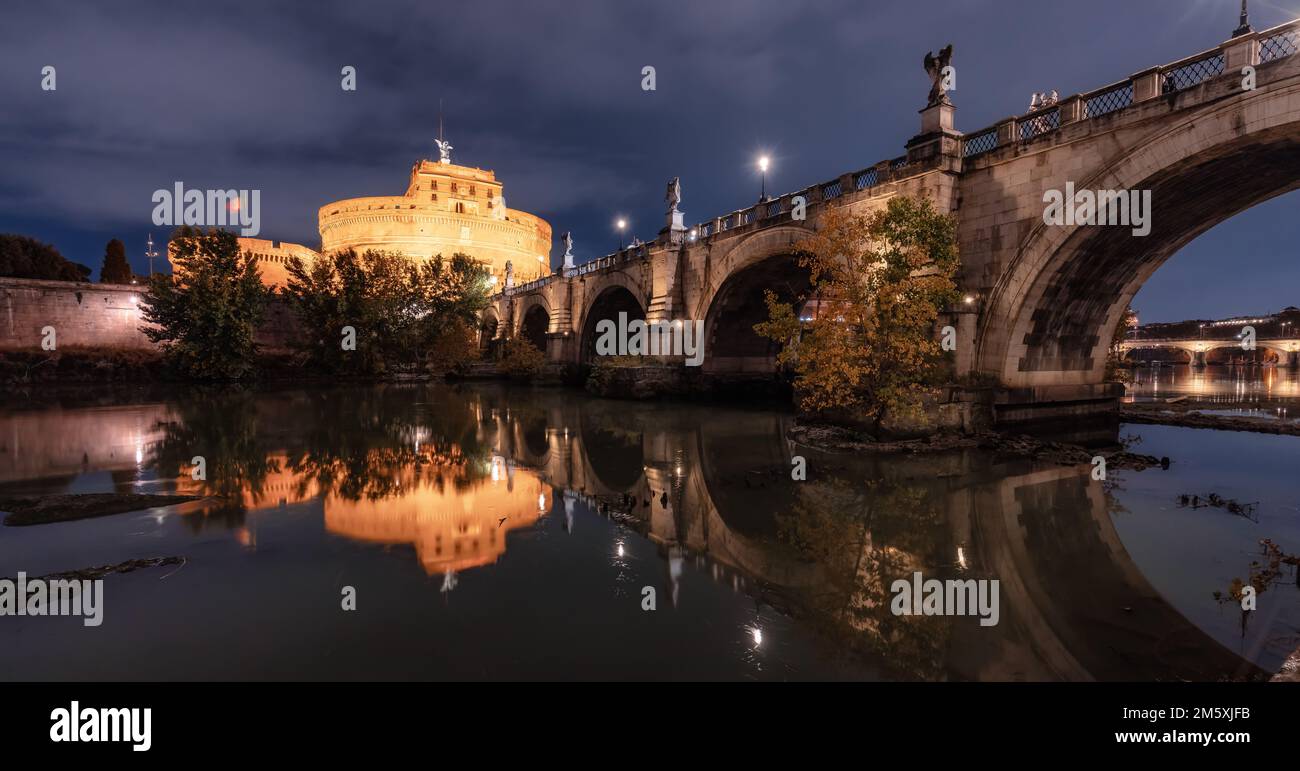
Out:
{"x": 493, "y": 532}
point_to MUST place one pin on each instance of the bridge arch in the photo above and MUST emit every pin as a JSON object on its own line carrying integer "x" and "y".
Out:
{"x": 489, "y": 327}
{"x": 731, "y": 307}
{"x": 1047, "y": 321}
{"x": 609, "y": 295}
{"x": 535, "y": 322}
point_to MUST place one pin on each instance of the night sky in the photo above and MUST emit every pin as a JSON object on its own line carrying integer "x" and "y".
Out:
{"x": 247, "y": 95}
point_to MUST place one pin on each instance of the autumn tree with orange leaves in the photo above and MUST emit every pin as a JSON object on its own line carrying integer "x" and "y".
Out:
{"x": 879, "y": 282}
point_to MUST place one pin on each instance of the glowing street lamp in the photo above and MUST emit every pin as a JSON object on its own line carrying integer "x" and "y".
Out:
{"x": 763, "y": 163}
{"x": 620, "y": 225}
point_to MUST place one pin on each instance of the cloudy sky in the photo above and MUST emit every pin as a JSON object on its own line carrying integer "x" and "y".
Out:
{"x": 247, "y": 95}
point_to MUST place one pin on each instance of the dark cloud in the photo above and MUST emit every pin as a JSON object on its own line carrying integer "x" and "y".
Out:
{"x": 246, "y": 95}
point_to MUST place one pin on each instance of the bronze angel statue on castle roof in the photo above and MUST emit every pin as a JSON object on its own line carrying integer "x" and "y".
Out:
{"x": 935, "y": 65}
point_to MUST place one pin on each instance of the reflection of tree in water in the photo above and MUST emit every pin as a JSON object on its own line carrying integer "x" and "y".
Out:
{"x": 1262, "y": 575}
{"x": 359, "y": 443}
{"x": 221, "y": 426}
{"x": 865, "y": 538}
{"x": 354, "y": 443}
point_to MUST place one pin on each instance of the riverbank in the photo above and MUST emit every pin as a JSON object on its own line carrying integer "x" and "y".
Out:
{"x": 837, "y": 439}
{"x": 1190, "y": 413}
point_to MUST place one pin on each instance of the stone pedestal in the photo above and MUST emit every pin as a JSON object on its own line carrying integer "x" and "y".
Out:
{"x": 937, "y": 137}
{"x": 937, "y": 118}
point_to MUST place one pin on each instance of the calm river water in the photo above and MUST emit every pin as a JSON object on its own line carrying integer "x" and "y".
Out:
{"x": 496, "y": 533}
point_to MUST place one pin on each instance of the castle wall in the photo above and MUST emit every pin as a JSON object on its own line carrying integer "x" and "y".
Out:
{"x": 101, "y": 316}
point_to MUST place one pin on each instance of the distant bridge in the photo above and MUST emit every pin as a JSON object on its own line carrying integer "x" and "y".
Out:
{"x": 1041, "y": 299}
{"x": 1287, "y": 348}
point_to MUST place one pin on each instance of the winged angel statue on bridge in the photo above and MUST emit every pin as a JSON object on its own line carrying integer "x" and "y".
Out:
{"x": 935, "y": 66}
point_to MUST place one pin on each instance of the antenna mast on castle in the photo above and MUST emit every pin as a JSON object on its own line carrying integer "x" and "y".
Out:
{"x": 150, "y": 253}
{"x": 444, "y": 147}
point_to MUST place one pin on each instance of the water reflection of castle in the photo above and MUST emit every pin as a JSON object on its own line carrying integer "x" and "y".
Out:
{"x": 452, "y": 529}
{"x": 452, "y": 525}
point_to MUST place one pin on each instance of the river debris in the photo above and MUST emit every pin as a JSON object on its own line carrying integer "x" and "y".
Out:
{"x": 1246, "y": 510}
{"x": 48, "y": 509}
{"x": 91, "y": 574}
{"x": 1262, "y": 574}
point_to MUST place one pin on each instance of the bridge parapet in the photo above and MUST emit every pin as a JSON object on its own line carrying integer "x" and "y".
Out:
{"x": 1250, "y": 49}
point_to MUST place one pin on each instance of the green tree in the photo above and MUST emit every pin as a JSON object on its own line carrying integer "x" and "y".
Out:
{"x": 115, "y": 270}
{"x": 403, "y": 312}
{"x": 520, "y": 359}
{"x": 453, "y": 294}
{"x": 24, "y": 257}
{"x": 879, "y": 282}
{"x": 206, "y": 314}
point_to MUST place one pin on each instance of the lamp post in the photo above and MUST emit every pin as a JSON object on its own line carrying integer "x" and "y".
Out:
{"x": 763, "y": 162}
{"x": 621, "y": 224}
{"x": 150, "y": 253}
{"x": 1244, "y": 27}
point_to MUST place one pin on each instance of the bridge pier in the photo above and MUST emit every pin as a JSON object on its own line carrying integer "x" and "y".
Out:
{"x": 1198, "y": 359}
{"x": 1063, "y": 404}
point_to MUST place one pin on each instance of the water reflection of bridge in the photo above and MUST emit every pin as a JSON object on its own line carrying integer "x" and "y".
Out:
{"x": 1075, "y": 605}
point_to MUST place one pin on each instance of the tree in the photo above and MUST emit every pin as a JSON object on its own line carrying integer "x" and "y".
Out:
{"x": 402, "y": 312}
{"x": 24, "y": 257}
{"x": 206, "y": 314}
{"x": 520, "y": 359}
{"x": 453, "y": 294}
{"x": 878, "y": 285}
{"x": 1115, "y": 369}
{"x": 115, "y": 270}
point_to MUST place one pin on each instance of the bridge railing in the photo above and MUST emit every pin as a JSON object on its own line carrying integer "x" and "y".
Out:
{"x": 880, "y": 173}
{"x": 534, "y": 284}
{"x": 1260, "y": 48}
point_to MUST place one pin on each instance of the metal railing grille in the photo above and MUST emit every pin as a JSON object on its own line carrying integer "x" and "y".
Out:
{"x": 1041, "y": 123}
{"x": 866, "y": 179}
{"x": 1279, "y": 46}
{"x": 774, "y": 208}
{"x": 978, "y": 144}
{"x": 831, "y": 191}
{"x": 1196, "y": 72}
{"x": 1108, "y": 101}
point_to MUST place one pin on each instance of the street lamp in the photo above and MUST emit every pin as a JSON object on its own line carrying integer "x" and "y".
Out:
{"x": 763, "y": 162}
{"x": 620, "y": 224}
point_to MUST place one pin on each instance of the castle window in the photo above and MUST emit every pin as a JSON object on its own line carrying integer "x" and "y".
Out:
{"x": 460, "y": 208}
{"x": 435, "y": 185}
{"x": 433, "y": 196}
{"x": 471, "y": 190}
{"x": 453, "y": 187}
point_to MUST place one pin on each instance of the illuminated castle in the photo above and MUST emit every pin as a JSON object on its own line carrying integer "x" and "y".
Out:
{"x": 446, "y": 209}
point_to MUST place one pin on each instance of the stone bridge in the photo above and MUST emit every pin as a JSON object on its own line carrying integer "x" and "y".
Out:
{"x": 1287, "y": 348}
{"x": 1040, "y": 300}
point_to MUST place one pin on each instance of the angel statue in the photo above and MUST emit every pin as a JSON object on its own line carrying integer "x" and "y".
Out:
{"x": 444, "y": 150}
{"x": 935, "y": 65}
{"x": 674, "y": 194}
